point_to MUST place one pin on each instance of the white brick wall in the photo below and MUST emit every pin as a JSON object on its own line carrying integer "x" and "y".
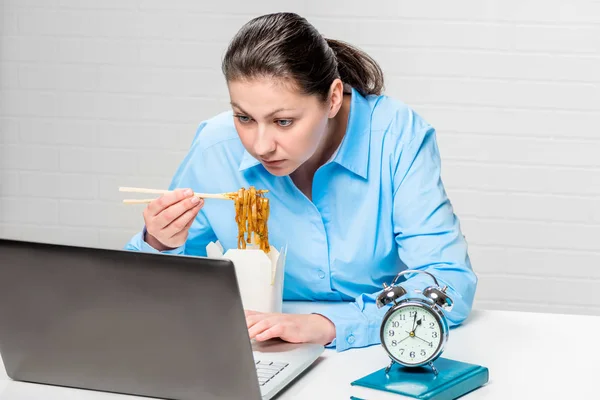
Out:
{"x": 99, "y": 94}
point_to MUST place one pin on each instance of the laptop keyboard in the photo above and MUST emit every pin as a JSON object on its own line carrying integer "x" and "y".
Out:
{"x": 266, "y": 370}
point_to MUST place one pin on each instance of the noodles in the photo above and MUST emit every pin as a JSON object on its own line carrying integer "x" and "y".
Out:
{"x": 251, "y": 216}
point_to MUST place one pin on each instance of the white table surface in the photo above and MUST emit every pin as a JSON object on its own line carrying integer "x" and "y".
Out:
{"x": 529, "y": 355}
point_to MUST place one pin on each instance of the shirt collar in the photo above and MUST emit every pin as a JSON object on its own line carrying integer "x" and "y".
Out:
{"x": 353, "y": 153}
{"x": 248, "y": 161}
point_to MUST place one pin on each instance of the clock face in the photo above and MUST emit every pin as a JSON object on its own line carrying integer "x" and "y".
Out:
{"x": 412, "y": 335}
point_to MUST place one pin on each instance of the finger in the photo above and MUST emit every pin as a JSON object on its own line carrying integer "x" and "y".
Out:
{"x": 168, "y": 199}
{"x": 260, "y": 327}
{"x": 276, "y": 331}
{"x": 182, "y": 235}
{"x": 252, "y": 320}
{"x": 174, "y": 211}
{"x": 251, "y": 312}
{"x": 183, "y": 222}
{"x": 191, "y": 222}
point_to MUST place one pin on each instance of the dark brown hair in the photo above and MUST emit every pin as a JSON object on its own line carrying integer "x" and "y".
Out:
{"x": 285, "y": 45}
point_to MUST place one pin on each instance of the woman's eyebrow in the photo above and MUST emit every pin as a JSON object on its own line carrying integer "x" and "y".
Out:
{"x": 233, "y": 104}
{"x": 266, "y": 116}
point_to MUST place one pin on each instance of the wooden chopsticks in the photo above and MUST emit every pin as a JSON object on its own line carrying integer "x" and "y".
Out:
{"x": 221, "y": 196}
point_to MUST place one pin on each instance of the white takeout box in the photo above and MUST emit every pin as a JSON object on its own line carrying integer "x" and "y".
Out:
{"x": 259, "y": 275}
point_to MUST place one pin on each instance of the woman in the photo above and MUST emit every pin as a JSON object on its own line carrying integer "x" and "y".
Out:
{"x": 353, "y": 178}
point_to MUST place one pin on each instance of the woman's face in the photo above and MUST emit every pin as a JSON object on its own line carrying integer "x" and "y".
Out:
{"x": 278, "y": 125}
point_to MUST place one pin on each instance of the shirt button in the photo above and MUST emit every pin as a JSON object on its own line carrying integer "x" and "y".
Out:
{"x": 321, "y": 274}
{"x": 351, "y": 339}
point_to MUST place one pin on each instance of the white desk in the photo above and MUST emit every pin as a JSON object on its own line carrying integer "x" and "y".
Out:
{"x": 529, "y": 355}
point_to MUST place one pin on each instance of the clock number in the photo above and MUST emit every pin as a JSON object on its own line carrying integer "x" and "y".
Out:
{"x": 412, "y": 354}
{"x": 394, "y": 343}
{"x": 412, "y": 313}
{"x": 402, "y": 317}
{"x": 401, "y": 351}
{"x": 430, "y": 344}
{"x": 395, "y": 324}
{"x": 434, "y": 334}
{"x": 391, "y": 333}
{"x": 423, "y": 353}
{"x": 431, "y": 325}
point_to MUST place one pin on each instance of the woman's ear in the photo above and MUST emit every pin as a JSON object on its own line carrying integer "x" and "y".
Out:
{"x": 336, "y": 97}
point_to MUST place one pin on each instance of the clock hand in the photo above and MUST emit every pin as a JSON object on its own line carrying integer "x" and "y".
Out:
{"x": 418, "y": 324}
{"x": 414, "y": 322}
{"x": 404, "y": 339}
{"x": 410, "y": 334}
{"x": 423, "y": 340}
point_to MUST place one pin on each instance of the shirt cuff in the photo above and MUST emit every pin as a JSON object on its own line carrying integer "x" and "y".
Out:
{"x": 138, "y": 243}
{"x": 352, "y": 328}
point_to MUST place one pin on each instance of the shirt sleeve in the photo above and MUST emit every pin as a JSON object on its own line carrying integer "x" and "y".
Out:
{"x": 188, "y": 175}
{"x": 428, "y": 238}
{"x": 427, "y": 231}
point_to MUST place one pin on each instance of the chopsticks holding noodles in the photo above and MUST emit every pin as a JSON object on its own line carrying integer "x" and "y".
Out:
{"x": 252, "y": 211}
{"x": 221, "y": 196}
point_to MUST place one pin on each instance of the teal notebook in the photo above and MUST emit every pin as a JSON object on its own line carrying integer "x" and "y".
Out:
{"x": 455, "y": 378}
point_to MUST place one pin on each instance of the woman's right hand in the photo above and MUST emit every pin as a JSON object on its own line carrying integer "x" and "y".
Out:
{"x": 168, "y": 219}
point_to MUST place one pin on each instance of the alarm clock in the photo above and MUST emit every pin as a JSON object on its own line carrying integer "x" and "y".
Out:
{"x": 414, "y": 330}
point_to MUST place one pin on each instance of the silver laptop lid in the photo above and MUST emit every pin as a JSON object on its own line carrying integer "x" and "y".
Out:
{"x": 128, "y": 322}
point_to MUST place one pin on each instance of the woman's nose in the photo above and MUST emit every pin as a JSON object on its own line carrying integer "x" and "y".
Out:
{"x": 264, "y": 143}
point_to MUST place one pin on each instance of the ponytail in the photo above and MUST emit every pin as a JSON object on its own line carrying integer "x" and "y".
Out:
{"x": 357, "y": 68}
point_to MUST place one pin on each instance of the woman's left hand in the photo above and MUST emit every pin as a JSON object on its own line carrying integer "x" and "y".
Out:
{"x": 294, "y": 328}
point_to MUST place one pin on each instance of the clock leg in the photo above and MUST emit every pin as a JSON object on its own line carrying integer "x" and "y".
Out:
{"x": 387, "y": 369}
{"x": 435, "y": 371}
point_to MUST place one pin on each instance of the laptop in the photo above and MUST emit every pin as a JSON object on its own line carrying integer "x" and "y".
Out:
{"x": 153, "y": 325}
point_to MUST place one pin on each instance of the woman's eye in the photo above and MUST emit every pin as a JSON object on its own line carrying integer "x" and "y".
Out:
{"x": 243, "y": 119}
{"x": 284, "y": 122}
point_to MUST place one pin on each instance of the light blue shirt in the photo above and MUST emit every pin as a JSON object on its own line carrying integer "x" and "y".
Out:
{"x": 378, "y": 206}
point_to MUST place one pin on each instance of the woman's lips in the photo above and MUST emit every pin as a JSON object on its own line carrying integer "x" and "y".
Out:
{"x": 273, "y": 163}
